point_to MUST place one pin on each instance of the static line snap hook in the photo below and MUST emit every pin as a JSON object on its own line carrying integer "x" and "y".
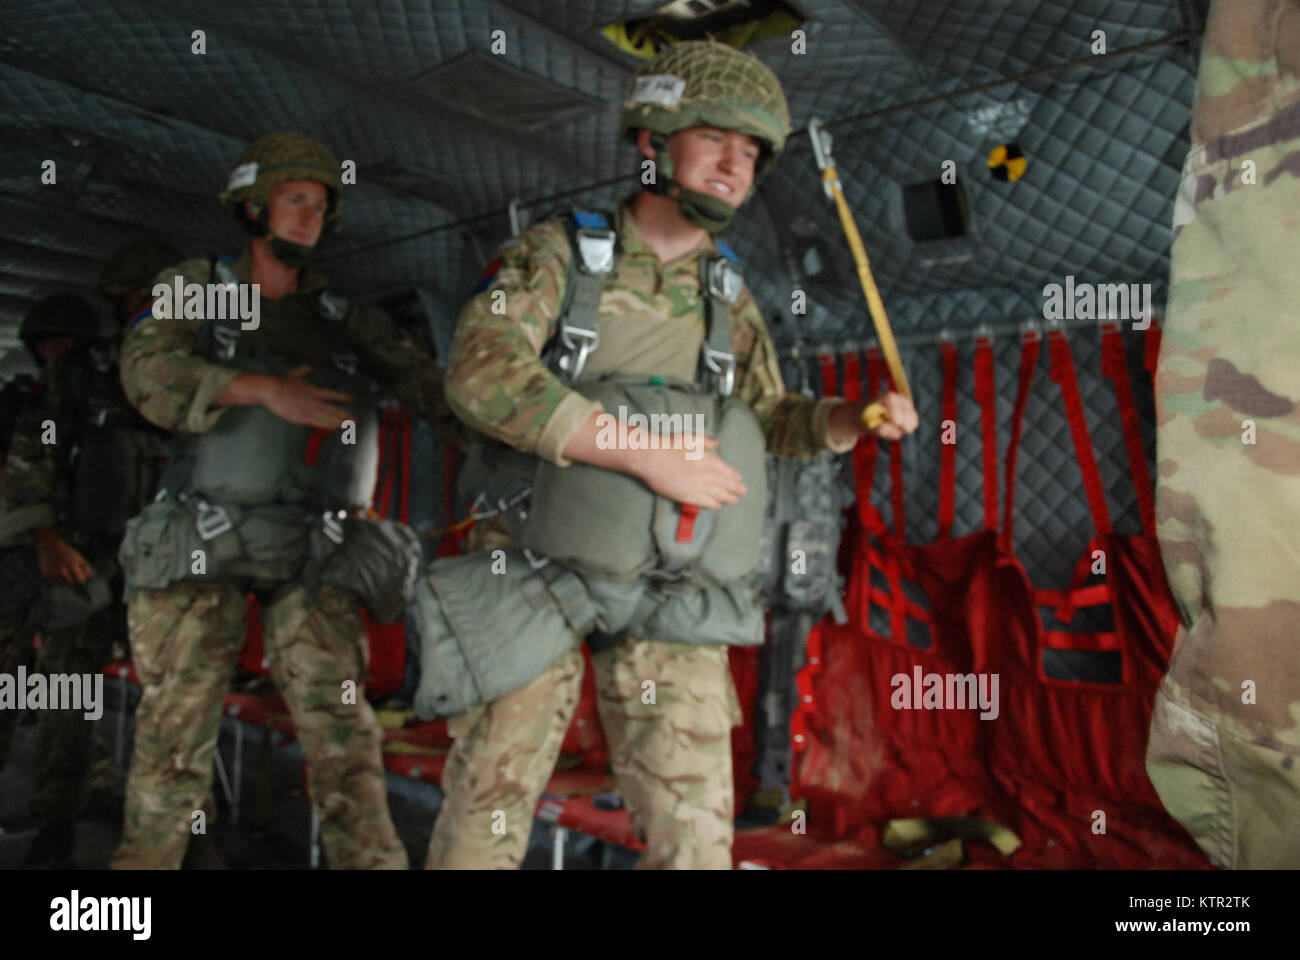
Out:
{"x": 821, "y": 144}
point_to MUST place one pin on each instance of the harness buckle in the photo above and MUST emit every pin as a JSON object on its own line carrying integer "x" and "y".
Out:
{"x": 725, "y": 281}
{"x": 596, "y": 250}
{"x": 332, "y": 524}
{"x": 575, "y": 357}
{"x": 226, "y": 340}
{"x": 721, "y": 363}
{"x": 212, "y": 521}
{"x": 347, "y": 362}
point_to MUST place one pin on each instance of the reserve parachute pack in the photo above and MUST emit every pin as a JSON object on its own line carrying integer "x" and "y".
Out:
{"x": 260, "y": 499}
{"x": 597, "y": 551}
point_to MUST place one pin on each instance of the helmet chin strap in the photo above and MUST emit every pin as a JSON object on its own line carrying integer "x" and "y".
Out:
{"x": 703, "y": 210}
{"x": 292, "y": 255}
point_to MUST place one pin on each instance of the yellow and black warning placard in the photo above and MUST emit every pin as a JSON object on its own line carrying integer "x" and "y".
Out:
{"x": 1007, "y": 162}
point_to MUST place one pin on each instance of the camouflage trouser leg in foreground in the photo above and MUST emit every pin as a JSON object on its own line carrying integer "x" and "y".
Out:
{"x": 186, "y": 642}
{"x": 1237, "y": 798}
{"x": 671, "y": 757}
{"x": 314, "y": 649}
{"x": 501, "y": 757}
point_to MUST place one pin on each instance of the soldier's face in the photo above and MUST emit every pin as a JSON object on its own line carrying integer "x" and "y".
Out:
{"x": 716, "y": 162}
{"x": 296, "y": 211}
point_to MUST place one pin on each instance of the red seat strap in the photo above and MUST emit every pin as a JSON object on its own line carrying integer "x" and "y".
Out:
{"x": 827, "y": 363}
{"x": 896, "y": 480}
{"x": 948, "y": 451}
{"x": 1063, "y": 373}
{"x": 1028, "y": 361}
{"x": 864, "y": 457}
{"x": 1115, "y": 366}
{"x": 852, "y": 377}
{"x": 1151, "y": 349}
{"x": 987, "y": 398}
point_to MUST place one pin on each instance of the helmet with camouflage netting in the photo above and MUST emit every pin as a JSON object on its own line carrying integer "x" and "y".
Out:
{"x": 63, "y": 315}
{"x": 134, "y": 266}
{"x": 279, "y": 157}
{"x": 703, "y": 83}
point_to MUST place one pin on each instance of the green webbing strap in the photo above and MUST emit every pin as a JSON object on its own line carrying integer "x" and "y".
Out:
{"x": 571, "y": 597}
{"x": 720, "y": 285}
{"x": 221, "y": 335}
{"x": 592, "y": 245}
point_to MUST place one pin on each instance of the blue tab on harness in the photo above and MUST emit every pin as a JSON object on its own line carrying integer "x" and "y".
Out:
{"x": 594, "y": 221}
{"x": 726, "y": 251}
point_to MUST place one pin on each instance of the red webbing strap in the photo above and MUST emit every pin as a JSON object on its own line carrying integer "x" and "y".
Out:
{"x": 406, "y": 466}
{"x": 827, "y": 362}
{"x": 1061, "y": 640}
{"x": 388, "y": 459}
{"x": 806, "y": 708}
{"x": 1062, "y": 367}
{"x": 1115, "y": 366}
{"x": 986, "y": 395}
{"x": 1151, "y": 349}
{"x": 864, "y": 457}
{"x": 852, "y": 377}
{"x": 311, "y": 453}
{"x": 453, "y": 544}
{"x": 686, "y": 522}
{"x": 948, "y": 451}
{"x": 1076, "y": 594}
{"x": 896, "y": 479}
{"x": 1028, "y": 361}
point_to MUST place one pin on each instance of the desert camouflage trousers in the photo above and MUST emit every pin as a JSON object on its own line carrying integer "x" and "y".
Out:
{"x": 667, "y": 710}
{"x": 186, "y": 642}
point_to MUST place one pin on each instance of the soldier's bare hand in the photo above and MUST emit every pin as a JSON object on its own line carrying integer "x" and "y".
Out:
{"x": 292, "y": 398}
{"x": 706, "y": 481}
{"x": 902, "y": 417}
{"x": 60, "y": 562}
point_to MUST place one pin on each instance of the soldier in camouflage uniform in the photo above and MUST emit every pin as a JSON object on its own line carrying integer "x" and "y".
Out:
{"x": 82, "y": 462}
{"x": 1224, "y": 752}
{"x": 711, "y": 118}
{"x": 186, "y": 635}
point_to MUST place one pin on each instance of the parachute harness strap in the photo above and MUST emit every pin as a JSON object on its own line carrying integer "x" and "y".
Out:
{"x": 720, "y": 283}
{"x": 594, "y": 244}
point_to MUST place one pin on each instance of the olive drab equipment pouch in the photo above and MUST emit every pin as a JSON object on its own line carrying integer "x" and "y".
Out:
{"x": 801, "y": 536}
{"x": 610, "y": 525}
{"x": 251, "y": 456}
{"x": 490, "y": 622}
{"x": 377, "y": 559}
{"x": 477, "y": 639}
{"x": 192, "y": 540}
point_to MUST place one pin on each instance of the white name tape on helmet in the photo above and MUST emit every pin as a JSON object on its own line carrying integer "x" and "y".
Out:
{"x": 661, "y": 88}
{"x": 244, "y": 175}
